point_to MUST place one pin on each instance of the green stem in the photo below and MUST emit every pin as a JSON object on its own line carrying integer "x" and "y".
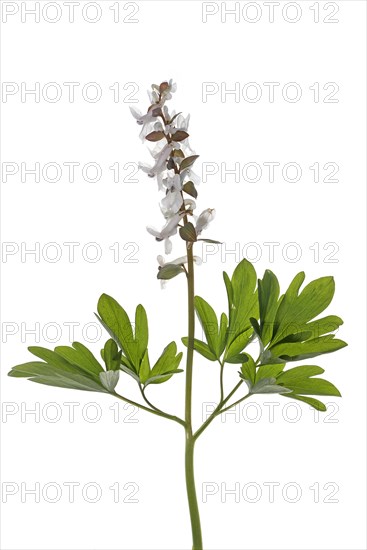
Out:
{"x": 221, "y": 381}
{"x": 197, "y": 541}
{"x": 153, "y": 411}
{"x": 217, "y": 411}
{"x": 190, "y": 440}
{"x": 235, "y": 403}
{"x": 166, "y": 415}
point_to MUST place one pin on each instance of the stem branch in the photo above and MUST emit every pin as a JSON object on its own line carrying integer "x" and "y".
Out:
{"x": 217, "y": 411}
{"x": 151, "y": 410}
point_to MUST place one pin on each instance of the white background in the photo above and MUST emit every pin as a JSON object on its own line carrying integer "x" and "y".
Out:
{"x": 170, "y": 40}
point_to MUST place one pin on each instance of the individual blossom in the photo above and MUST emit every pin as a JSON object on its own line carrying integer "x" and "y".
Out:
{"x": 164, "y": 90}
{"x": 160, "y": 162}
{"x": 146, "y": 121}
{"x": 204, "y": 220}
{"x": 171, "y": 203}
{"x": 168, "y": 231}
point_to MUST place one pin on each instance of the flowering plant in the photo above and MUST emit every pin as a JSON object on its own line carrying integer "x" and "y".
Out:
{"x": 283, "y": 326}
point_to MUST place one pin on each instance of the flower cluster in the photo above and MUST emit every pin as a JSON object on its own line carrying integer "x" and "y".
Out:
{"x": 172, "y": 167}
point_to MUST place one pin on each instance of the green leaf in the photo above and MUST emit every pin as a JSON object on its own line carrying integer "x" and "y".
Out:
{"x": 313, "y": 386}
{"x": 190, "y": 189}
{"x": 26, "y": 369}
{"x": 209, "y": 323}
{"x": 229, "y": 289}
{"x": 315, "y": 403}
{"x": 300, "y": 380}
{"x": 188, "y": 233}
{"x": 168, "y": 361}
{"x": 297, "y": 309}
{"x": 65, "y": 376}
{"x": 200, "y": 347}
{"x": 238, "y": 344}
{"x": 269, "y": 371}
{"x": 116, "y": 319}
{"x": 160, "y": 378}
{"x": 255, "y": 325}
{"x": 268, "y": 288}
{"x": 144, "y": 371}
{"x": 141, "y": 331}
{"x": 111, "y": 355}
{"x": 187, "y": 162}
{"x": 223, "y": 326}
{"x": 248, "y": 370}
{"x": 169, "y": 271}
{"x": 51, "y": 357}
{"x": 299, "y": 373}
{"x": 314, "y": 329}
{"x": 237, "y": 359}
{"x": 268, "y": 385}
{"x": 244, "y": 298}
{"x": 295, "y": 351}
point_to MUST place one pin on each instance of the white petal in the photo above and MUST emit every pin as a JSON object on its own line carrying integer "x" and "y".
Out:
{"x": 204, "y": 219}
{"x": 136, "y": 114}
{"x": 158, "y": 126}
{"x": 190, "y": 203}
{"x": 146, "y": 168}
{"x": 193, "y": 177}
{"x": 160, "y": 181}
{"x": 154, "y": 232}
{"x": 171, "y": 203}
{"x": 167, "y": 246}
{"x": 171, "y": 226}
{"x": 179, "y": 261}
{"x": 198, "y": 260}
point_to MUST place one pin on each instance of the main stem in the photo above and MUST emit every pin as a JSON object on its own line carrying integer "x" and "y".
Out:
{"x": 190, "y": 441}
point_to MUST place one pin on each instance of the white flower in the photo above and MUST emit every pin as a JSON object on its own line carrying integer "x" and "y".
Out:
{"x": 167, "y": 246}
{"x": 153, "y": 95}
{"x": 169, "y": 90}
{"x": 192, "y": 176}
{"x": 160, "y": 162}
{"x": 137, "y": 115}
{"x": 171, "y": 203}
{"x": 182, "y": 123}
{"x": 109, "y": 379}
{"x": 147, "y": 120}
{"x": 168, "y": 231}
{"x": 204, "y": 220}
{"x": 190, "y": 205}
{"x": 173, "y": 181}
{"x": 144, "y": 119}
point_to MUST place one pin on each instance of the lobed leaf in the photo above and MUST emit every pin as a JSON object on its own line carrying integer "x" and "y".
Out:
{"x": 200, "y": 347}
